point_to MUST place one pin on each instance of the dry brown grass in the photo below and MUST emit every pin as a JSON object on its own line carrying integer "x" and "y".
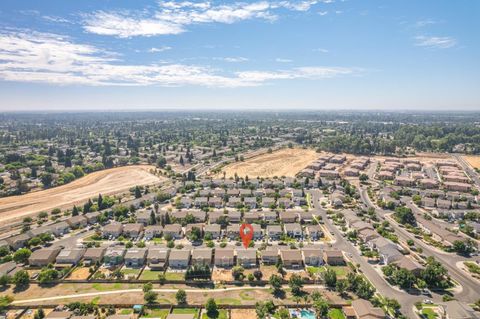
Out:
{"x": 106, "y": 182}
{"x": 79, "y": 274}
{"x": 220, "y": 274}
{"x": 284, "y": 162}
{"x": 243, "y": 313}
{"x": 473, "y": 160}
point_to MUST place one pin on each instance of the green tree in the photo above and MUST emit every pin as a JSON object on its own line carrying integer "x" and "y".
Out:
{"x": 330, "y": 278}
{"x": 21, "y": 279}
{"x": 181, "y": 297}
{"x": 296, "y": 284}
{"x": 21, "y": 256}
{"x": 276, "y": 282}
{"x": 211, "y": 308}
{"x": 321, "y": 307}
{"x": 341, "y": 286}
{"x": 150, "y": 297}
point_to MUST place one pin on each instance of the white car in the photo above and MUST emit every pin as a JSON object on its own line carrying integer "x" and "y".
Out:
{"x": 427, "y": 301}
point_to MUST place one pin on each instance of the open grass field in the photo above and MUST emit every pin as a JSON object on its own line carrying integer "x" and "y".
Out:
{"x": 284, "y": 162}
{"x": 105, "y": 182}
{"x": 473, "y": 160}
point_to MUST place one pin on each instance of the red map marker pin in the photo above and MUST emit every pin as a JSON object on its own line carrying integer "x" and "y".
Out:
{"x": 246, "y": 233}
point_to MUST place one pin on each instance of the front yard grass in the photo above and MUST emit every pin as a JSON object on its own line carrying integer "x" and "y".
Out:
{"x": 228, "y": 301}
{"x": 336, "y": 314}
{"x": 429, "y": 313}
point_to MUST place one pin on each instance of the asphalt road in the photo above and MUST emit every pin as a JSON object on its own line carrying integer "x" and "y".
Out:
{"x": 470, "y": 289}
{"x": 383, "y": 288}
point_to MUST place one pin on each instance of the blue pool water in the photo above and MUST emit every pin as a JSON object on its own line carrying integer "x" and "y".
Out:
{"x": 302, "y": 314}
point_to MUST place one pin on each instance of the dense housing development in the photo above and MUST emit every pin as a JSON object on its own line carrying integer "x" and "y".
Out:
{"x": 145, "y": 222}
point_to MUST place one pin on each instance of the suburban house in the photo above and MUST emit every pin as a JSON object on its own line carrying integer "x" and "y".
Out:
{"x": 292, "y": 258}
{"x": 268, "y": 202}
{"x": 410, "y": 265}
{"x": 333, "y": 257}
{"x": 247, "y": 258}
{"x": 157, "y": 258}
{"x": 7, "y": 268}
{"x": 389, "y": 253}
{"x": 132, "y": 230}
{"x": 112, "y": 230}
{"x": 202, "y": 256}
{"x": 257, "y": 232}
{"x": 314, "y": 232}
{"x": 92, "y": 217}
{"x": 60, "y": 229}
{"x": 233, "y": 231}
{"x": 93, "y": 255}
{"x": 234, "y": 216}
{"x": 179, "y": 258}
{"x": 152, "y": 231}
{"x": 224, "y": 257}
{"x": 250, "y": 202}
{"x": 213, "y": 229}
{"x": 215, "y": 215}
{"x": 77, "y": 221}
{"x": 364, "y": 310}
{"x": 269, "y": 216}
{"x": 288, "y": 216}
{"x": 173, "y": 230}
{"x": 43, "y": 257}
{"x": 18, "y": 241}
{"x": 251, "y": 217}
{"x": 312, "y": 256}
{"x": 293, "y": 230}
{"x": 70, "y": 256}
{"x": 274, "y": 231}
{"x": 135, "y": 257}
{"x": 269, "y": 256}
{"x": 455, "y": 309}
{"x": 114, "y": 256}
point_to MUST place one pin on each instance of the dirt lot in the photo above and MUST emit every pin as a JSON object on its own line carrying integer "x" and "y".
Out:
{"x": 243, "y": 313}
{"x": 220, "y": 274}
{"x": 79, "y": 274}
{"x": 473, "y": 160}
{"x": 106, "y": 182}
{"x": 284, "y": 162}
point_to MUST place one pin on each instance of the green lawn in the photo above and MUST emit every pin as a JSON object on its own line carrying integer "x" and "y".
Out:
{"x": 150, "y": 274}
{"x": 156, "y": 313}
{"x": 181, "y": 311}
{"x": 126, "y": 311}
{"x": 429, "y": 313}
{"x": 227, "y": 301}
{"x": 105, "y": 287}
{"x": 175, "y": 276}
{"x": 247, "y": 295}
{"x": 336, "y": 314}
{"x": 131, "y": 271}
{"x": 341, "y": 271}
{"x": 222, "y": 314}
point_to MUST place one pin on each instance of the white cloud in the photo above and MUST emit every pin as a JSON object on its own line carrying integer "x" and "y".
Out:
{"x": 55, "y": 19}
{"x": 435, "y": 42}
{"x": 424, "y": 23}
{"x": 320, "y": 50}
{"x": 27, "y": 56}
{"x": 280, "y": 60}
{"x": 233, "y": 59}
{"x": 160, "y": 49}
{"x": 174, "y": 17}
{"x": 323, "y": 13}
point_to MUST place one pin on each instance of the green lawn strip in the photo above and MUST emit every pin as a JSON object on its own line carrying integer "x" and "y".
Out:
{"x": 222, "y": 314}
{"x": 429, "y": 313}
{"x": 245, "y": 295}
{"x": 174, "y": 276}
{"x": 150, "y": 274}
{"x": 181, "y": 311}
{"x": 131, "y": 271}
{"x": 228, "y": 301}
{"x": 336, "y": 314}
{"x": 126, "y": 311}
{"x": 106, "y": 287}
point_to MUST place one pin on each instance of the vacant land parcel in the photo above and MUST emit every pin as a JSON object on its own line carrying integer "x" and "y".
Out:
{"x": 284, "y": 162}
{"x": 105, "y": 182}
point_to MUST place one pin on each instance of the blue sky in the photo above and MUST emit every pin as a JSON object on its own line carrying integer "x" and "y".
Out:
{"x": 285, "y": 54}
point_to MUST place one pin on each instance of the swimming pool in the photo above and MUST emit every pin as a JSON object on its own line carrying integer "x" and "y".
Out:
{"x": 302, "y": 314}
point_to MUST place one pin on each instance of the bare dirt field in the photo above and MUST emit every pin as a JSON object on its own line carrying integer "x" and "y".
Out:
{"x": 243, "y": 313}
{"x": 105, "y": 182}
{"x": 473, "y": 160}
{"x": 80, "y": 273}
{"x": 284, "y": 162}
